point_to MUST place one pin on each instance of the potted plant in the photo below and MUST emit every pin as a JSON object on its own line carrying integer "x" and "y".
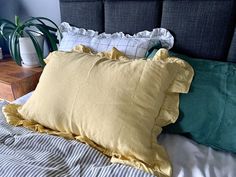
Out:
{"x": 25, "y": 40}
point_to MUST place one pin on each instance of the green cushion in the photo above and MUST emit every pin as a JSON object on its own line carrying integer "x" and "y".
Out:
{"x": 152, "y": 51}
{"x": 208, "y": 112}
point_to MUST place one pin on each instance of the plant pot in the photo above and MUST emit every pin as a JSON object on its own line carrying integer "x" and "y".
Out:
{"x": 28, "y": 53}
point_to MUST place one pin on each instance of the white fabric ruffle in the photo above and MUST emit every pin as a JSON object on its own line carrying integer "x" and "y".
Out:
{"x": 163, "y": 35}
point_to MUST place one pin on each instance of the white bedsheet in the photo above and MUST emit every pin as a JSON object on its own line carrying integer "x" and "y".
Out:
{"x": 190, "y": 159}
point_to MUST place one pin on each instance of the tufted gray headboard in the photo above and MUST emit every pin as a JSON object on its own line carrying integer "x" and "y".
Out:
{"x": 202, "y": 28}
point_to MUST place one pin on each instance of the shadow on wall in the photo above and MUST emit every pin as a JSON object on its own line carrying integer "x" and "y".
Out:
{"x": 36, "y": 8}
{"x": 4, "y": 45}
{"x": 7, "y": 11}
{"x": 25, "y": 9}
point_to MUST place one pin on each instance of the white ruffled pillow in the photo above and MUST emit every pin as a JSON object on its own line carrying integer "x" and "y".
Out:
{"x": 134, "y": 46}
{"x": 72, "y": 36}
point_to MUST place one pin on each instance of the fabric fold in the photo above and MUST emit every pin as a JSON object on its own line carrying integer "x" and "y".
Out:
{"x": 119, "y": 109}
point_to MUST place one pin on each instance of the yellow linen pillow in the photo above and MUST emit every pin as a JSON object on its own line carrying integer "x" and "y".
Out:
{"x": 113, "y": 54}
{"x": 116, "y": 106}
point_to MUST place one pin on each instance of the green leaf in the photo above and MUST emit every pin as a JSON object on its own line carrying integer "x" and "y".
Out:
{"x": 12, "y": 32}
{"x": 34, "y": 31}
{"x": 51, "y": 41}
{"x": 7, "y": 21}
{"x": 6, "y": 30}
{"x": 14, "y": 47}
{"x": 20, "y": 30}
{"x": 37, "y": 47}
{"x": 17, "y": 21}
{"x": 46, "y": 26}
{"x": 42, "y": 20}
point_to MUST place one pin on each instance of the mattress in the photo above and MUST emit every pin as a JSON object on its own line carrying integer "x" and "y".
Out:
{"x": 26, "y": 153}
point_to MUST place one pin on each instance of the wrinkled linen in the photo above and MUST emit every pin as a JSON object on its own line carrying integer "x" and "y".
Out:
{"x": 26, "y": 153}
{"x": 189, "y": 159}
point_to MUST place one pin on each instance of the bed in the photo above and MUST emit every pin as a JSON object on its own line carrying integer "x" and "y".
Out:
{"x": 202, "y": 29}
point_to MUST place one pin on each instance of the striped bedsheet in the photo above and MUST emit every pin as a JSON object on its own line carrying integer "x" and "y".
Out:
{"x": 26, "y": 153}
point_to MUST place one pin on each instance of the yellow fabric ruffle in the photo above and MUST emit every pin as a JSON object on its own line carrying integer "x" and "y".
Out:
{"x": 185, "y": 75}
{"x": 170, "y": 109}
{"x": 82, "y": 49}
{"x": 12, "y": 116}
{"x": 113, "y": 54}
{"x": 168, "y": 113}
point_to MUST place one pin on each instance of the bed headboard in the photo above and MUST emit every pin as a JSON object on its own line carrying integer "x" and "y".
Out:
{"x": 202, "y": 28}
